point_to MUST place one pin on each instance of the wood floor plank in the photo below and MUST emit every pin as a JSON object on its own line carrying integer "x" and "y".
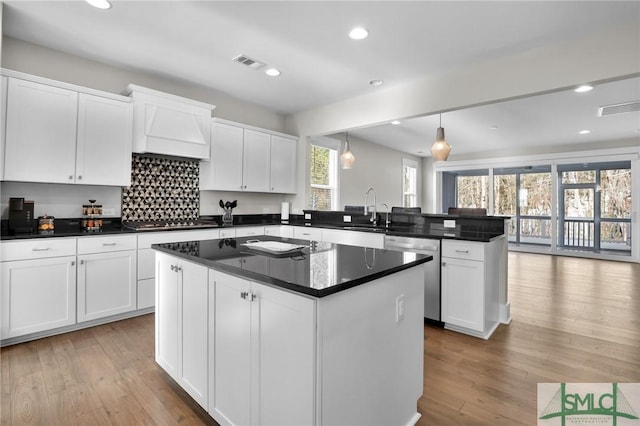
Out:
{"x": 29, "y": 401}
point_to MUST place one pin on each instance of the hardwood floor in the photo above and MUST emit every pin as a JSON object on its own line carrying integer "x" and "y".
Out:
{"x": 574, "y": 320}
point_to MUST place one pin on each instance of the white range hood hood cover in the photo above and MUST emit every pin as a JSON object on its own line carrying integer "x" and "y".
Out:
{"x": 168, "y": 124}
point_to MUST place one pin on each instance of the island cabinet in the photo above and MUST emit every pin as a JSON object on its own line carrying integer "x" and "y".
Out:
{"x": 470, "y": 285}
{"x": 301, "y": 340}
{"x": 182, "y": 324}
{"x": 262, "y": 359}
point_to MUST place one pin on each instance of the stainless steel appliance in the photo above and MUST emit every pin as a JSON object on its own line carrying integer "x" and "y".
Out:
{"x": 432, "y": 269}
{"x": 20, "y": 216}
{"x": 174, "y": 224}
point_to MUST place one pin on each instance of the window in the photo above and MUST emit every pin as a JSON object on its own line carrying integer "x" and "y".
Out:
{"x": 324, "y": 178}
{"x": 524, "y": 193}
{"x": 595, "y": 211}
{"x": 472, "y": 189}
{"x": 409, "y": 183}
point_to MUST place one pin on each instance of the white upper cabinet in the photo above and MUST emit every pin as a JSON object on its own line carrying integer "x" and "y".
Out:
{"x": 4, "y": 81}
{"x": 41, "y": 133}
{"x": 255, "y": 161}
{"x": 57, "y": 133}
{"x": 224, "y": 170}
{"x": 168, "y": 124}
{"x": 245, "y": 158}
{"x": 283, "y": 164}
{"x": 104, "y": 141}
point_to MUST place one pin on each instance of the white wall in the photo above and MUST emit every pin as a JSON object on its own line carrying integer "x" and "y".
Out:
{"x": 378, "y": 167}
{"x": 58, "y": 200}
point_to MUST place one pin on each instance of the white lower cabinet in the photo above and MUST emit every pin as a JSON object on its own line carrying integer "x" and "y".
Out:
{"x": 106, "y": 284}
{"x": 260, "y": 371}
{"x": 38, "y": 295}
{"x": 106, "y": 276}
{"x": 469, "y": 287}
{"x": 182, "y": 324}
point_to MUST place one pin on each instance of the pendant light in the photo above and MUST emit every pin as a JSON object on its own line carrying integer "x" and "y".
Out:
{"x": 440, "y": 149}
{"x": 347, "y": 158}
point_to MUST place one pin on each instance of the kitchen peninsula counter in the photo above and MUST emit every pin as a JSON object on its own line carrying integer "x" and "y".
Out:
{"x": 330, "y": 335}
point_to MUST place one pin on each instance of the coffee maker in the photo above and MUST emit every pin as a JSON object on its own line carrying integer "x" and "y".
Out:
{"x": 20, "y": 216}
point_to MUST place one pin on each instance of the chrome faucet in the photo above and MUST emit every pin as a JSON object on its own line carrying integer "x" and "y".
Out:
{"x": 387, "y": 222}
{"x": 373, "y": 218}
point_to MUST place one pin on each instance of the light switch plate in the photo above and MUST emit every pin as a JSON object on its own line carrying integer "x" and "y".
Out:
{"x": 449, "y": 223}
{"x": 307, "y": 216}
{"x": 346, "y": 219}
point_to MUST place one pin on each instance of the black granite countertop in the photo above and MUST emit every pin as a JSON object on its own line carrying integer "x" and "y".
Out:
{"x": 318, "y": 270}
{"x": 71, "y": 228}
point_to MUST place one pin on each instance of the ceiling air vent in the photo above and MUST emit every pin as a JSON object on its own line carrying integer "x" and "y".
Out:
{"x": 619, "y": 108}
{"x": 251, "y": 63}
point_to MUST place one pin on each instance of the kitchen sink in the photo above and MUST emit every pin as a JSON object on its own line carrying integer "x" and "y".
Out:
{"x": 364, "y": 228}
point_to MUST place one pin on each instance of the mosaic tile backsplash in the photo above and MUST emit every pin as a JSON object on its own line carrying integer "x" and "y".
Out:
{"x": 162, "y": 189}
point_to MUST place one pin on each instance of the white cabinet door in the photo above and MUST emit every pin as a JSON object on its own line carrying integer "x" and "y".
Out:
{"x": 38, "y": 295}
{"x": 463, "y": 293}
{"x": 182, "y": 324}
{"x": 255, "y": 164}
{"x": 40, "y": 133}
{"x": 193, "y": 328}
{"x": 283, "y": 164}
{"x": 107, "y": 284}
{"x": 167, "y": 314}
{"x": 262, "y": 366}
{"x": 284, "y": 331}
{"x": 4, "y": 82}
{"x": 230, "y": 352}
{"x": 104, "y": 141}
{"x": 224, "y": 170}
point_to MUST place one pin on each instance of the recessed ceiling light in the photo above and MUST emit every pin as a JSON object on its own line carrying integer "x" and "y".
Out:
{"x": 584, "y": 132}
{"x": 358, "y": 33}
{"x": 272, "y": 72}
{"x": 493, "y": 128}
{"x": 376, "y": 82}
{"x": 100, "y": 4}
{"x": 583, "y": 88}
{"x": 395, "y": 122}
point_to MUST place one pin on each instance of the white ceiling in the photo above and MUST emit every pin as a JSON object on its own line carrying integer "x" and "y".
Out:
{"x": 306, "y": 40}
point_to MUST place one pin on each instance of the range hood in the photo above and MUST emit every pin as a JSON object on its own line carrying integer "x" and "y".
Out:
{"x": 168, "y": 124}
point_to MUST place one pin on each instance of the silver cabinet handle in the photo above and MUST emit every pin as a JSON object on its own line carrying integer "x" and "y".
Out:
{"x": 108, "y": 244}
{"x": 173, "y": 268}
{"x": 244, "y": 295}
{"x": 82, "y": 262}
{"x": 40, "y": 249}
{"x": 73, "y": 263}
{"x": 462, "y": 251}
{"x": 80, "y": 177}
{"x": 444, "y": 263}
{"x": 70, "y": 176}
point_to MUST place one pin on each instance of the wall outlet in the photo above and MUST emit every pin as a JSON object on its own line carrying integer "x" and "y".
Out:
{"x": 108, "y": 212}
{"x": 346, "y": 219}
{"x": 449, "y": 223}
{"x": 399, "y": 308}
{"x": 307, "y": 216}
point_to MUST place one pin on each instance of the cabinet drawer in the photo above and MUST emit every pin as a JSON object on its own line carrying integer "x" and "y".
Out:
{"x": 109, "y": 243}
{"x": 248, "y": 232}
{"x": 463, "y": 250}
{"x": 305, "y": 233}
{"x": 38, "y": 248}
{"x": 227, "y": 233}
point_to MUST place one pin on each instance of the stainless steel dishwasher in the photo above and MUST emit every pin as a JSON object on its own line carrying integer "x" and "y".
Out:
{"x": 432, "y": 269}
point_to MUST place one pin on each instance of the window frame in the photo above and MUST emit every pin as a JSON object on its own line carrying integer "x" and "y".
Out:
{"x": 409, "y": 163}
{"x": 334, "y": 145}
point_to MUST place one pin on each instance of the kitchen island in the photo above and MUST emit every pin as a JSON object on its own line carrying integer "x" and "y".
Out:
{"x": 328, "y": 334}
